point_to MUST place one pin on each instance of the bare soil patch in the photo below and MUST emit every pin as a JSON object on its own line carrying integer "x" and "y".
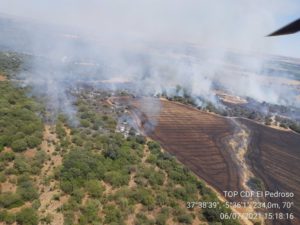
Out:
{"x": 49, "y": 204}
{"x": 2, "y": 77}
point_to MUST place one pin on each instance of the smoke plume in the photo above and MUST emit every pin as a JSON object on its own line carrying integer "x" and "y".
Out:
{"x": 155, "y": 45}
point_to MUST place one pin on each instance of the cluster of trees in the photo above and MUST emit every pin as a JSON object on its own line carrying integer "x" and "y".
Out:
{"x": 21, "y": 164}
{"x": 26, "y": 216}
{"x": 79, "y": 168}
{"x": 10, "y": 62}
{"x": 96, "y": 121}
{"x": 21, "y": 128}
{"x": 26, "y": 191}
{"x": 288, "y": 123}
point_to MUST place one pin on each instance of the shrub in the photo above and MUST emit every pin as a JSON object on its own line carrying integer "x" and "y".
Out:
{"x": 27, "y": 216}
{"x": 33, "y": 141}
{"x": 47, "y": 219}
{"x": 154, "y": 147}
{"x": 68, "y": 217}
{"x": 36, "y": 204}
{"x": 77, "y": 140}
{"x": 77, "y": 195}
{"x": 140, "y": 139}
{"x": 111, "y": 153}
{"x": 145, "y": 197}
{"x": 185, "y": 218}
{"x": 162, "y": 217}
{"x": 162, "y": 199}
{"x": 112, "y": 215}
{"x": 66, "y": 186}
{"x": 21, "y": 165}
{"x": 143, "y": 219}
{"x": 19, "y": 145}
{"x": 181, "y": 193}
{"x": 295, "y": 127}
{"x": 116, "y": 178}
{"x": 2, "y": 177}
{"x": 94, "y": 188}
{"x": 60, "y": 131}
{"x": 156, "y": 178}
{"x": 7, "y": 217}
{"x": 89, "y": 213}
{"x": 84, "y": 123}
{"x": 7, "y": 156}
{"x": 26, "y": 189}
{"x": 80, "y": 166}
{"x": 10, "y": 200}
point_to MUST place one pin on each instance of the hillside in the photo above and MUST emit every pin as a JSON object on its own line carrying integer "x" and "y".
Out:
{"x": 230, "y": 154}
{"x": 62, "y": 173}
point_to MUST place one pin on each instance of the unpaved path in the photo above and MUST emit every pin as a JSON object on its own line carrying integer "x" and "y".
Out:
{"x": 48, "y": 190}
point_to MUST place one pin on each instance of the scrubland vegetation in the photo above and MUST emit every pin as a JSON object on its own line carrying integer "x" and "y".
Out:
{"x": 10, "y": 63}
{"x": 88, "y": 174}
{"x": 21, "y": 128}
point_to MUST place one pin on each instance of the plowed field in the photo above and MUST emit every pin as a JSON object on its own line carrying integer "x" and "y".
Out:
{"x": 200, "y": 141}
{"x": 274, "y": 156}
{"x": 197, "y": 139}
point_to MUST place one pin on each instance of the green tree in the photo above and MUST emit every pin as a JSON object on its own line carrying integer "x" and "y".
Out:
{"x": 27, "y": 216}
{"x": 94, "y": 188}
{"x": 10, "y": 200}
{"x": 26, "y": 188}
{"x": 19, "y": 145}
{"x": 33, "y": 141}
{"x": 112, "y": 215}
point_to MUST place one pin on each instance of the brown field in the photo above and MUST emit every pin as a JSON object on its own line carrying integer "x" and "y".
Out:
{"x": 274, "y": 156}
{"x": 200, "y": 141}
{"x": 225, "y": 97}
{"x": 197, "y": 139}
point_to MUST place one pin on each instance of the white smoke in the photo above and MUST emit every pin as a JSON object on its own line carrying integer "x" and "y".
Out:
{"x": 155, "y": 44}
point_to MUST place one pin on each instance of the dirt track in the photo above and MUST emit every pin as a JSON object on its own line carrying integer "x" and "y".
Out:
{"x": 200, "y": 141}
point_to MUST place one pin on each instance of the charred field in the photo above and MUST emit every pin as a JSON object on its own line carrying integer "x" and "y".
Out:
{"x": 274, "y": 157}
{"x": 202, "y": 141}
{"x": 195, "y": 138}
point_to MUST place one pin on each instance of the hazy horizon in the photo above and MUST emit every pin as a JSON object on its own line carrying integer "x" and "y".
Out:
{"x": 238, "y": 25}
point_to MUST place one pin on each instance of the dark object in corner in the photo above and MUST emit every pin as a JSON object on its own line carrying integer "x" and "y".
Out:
{"x": 288, "y": 29}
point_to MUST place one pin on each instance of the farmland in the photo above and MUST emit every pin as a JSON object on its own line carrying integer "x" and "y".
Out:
{"x": 196, "y": 138}
{"x": 274, "y": 156}
{"x": 200, "y": 141}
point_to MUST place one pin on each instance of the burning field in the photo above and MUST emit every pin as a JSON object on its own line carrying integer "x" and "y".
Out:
{"x": 202, "y": 140}
{"x": 197, "y": 139}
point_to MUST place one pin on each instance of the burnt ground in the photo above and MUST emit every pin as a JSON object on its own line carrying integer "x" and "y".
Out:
{"x": 197, "y": 139}
{"x": 200, "y": 141}
{"x": 274, "y": 156}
